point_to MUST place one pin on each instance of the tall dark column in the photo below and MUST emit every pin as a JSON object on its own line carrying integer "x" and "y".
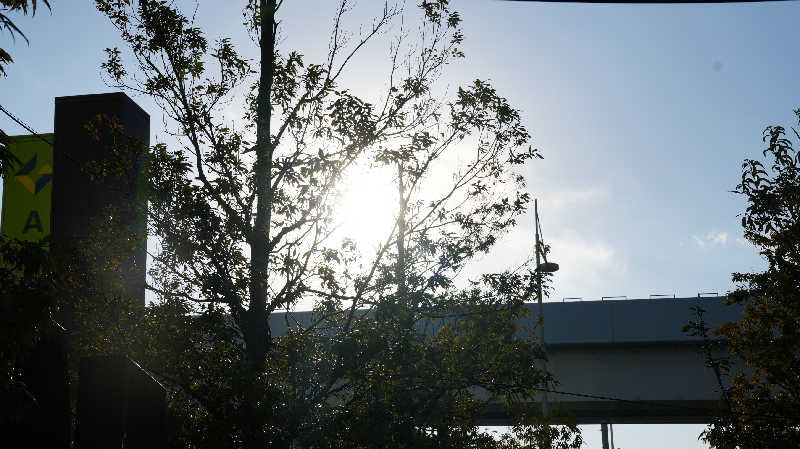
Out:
{"x": 85, "y": 183}
{"x": 99, "y": 151}
{"x": 98, "y": 165}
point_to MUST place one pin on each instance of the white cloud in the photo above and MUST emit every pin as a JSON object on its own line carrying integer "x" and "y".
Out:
{"x": 587, "y": 267}
{"x": 718, "y": 238}
{"x": 713, "y": 238}
{"x": 555, "y": 202}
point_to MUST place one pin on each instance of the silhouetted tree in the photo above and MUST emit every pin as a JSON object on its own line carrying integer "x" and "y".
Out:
{"x": 28, "y": 292}
{"x": 27, "y": 284}
{"x": 765, "y": 399}
{"x": 397, "y": 355}
{"x": 6, "y": 24}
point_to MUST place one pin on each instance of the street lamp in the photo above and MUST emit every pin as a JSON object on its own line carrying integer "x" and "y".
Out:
{"x": 546, "y": 267}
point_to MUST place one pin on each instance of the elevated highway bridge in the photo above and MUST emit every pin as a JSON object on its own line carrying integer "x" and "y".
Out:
{"x": 628, "y": 361}
{"x": 621, "y": 361}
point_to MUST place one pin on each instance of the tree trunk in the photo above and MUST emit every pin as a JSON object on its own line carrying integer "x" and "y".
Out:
{"x": 258, "y": 339}
{"x": 400, "y": 268}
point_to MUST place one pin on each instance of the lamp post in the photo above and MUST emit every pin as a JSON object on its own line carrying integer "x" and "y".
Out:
{"x": 546, "y": 267}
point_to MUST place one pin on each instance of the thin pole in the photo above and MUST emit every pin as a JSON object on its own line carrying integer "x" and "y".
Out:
{"x": 539, "y": 288}
{"x": 604, "y": 429}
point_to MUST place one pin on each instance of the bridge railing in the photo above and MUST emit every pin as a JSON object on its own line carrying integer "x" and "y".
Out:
{"x": 652, "y": 296}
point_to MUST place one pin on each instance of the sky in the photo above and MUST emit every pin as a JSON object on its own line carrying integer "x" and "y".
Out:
{"x": 644, "y": 114}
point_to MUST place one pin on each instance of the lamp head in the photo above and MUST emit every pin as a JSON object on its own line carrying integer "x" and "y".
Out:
{"x": 547, "y": 267}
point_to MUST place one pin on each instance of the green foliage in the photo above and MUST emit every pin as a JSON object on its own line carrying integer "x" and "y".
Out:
{"x": 7, "y": 160}
{"x": 27, "y": 306}
{"x": 764, "y": 400}
{"x": 6, "y": 24}
{"x": 27, "y": 275}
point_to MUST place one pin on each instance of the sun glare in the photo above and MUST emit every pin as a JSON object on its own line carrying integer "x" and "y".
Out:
{"x": 366, "y": 206}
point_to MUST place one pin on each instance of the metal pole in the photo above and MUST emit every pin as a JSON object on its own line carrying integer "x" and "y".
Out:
{"x": 604, "y": 429}
{"x": 539, "y": 288}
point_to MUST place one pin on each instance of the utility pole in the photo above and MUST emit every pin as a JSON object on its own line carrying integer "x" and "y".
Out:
{"x": 604, "y": 429}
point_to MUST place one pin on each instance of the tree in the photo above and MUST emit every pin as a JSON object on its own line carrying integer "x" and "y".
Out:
{"x": 764, "y": 400}
{"x": 6, "y": 24}
{"x": 27, "y": 299}
{"x": 27, "y": 283}
{"x": 243, "y": 217}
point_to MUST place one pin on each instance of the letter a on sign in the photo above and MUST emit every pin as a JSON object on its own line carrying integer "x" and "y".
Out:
{"x": 33, "y": 222}
{"x": 27, "y": 189}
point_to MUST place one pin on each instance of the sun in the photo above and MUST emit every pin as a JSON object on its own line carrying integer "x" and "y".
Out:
{"x": 366, "y": 207}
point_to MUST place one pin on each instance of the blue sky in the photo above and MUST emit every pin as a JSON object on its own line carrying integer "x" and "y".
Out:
{"x": 643, "y": 113}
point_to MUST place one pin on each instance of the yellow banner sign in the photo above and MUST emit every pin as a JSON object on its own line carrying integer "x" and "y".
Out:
{"x": 27, "y": 189}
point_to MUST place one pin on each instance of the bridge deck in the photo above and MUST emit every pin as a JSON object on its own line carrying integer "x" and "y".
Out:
{"x": 628, "y": 361}
{"x": 622, "y": 361}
